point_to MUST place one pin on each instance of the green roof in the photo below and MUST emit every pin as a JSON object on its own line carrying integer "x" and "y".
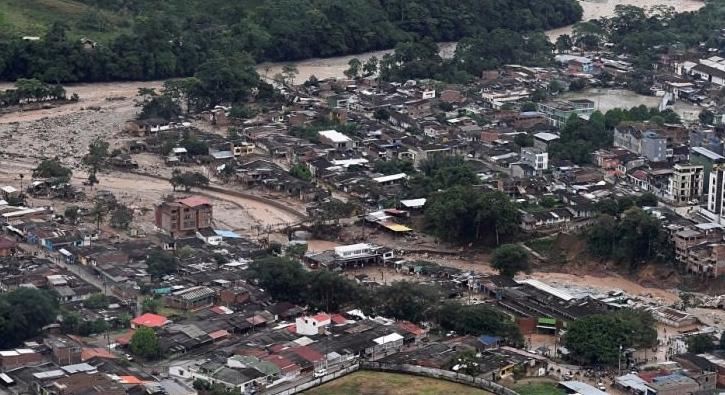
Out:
{"x": 547, "y": 321}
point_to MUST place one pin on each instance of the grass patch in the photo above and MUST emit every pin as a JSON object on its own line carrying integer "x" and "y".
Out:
{"x": 378, "y": 383}
{"x": 542, "y": 245}
{"x": 539, "y": 389}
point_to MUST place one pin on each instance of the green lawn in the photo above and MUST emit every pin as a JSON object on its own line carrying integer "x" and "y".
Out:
{"x": 539, "y": 389}
{"x": 378, "y": 383}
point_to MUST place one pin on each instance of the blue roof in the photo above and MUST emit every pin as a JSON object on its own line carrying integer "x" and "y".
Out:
{"x": 489, "y": 340}
{"x": 227, "y": 234}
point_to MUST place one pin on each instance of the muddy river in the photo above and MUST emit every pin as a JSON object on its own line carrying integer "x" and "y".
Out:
{"x": 593, "y": 9}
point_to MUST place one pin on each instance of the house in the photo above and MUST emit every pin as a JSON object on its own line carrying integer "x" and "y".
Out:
{"x": 711, "y": 70}
{"x": 193, "y": 298}
{"x": 558, "y": 112}
{"x": 149, "y": 320}
{"x": 7, "y": 247}
{"x": 645, "y": 142}
{"x": 209, "y": 236}
{"x": 543, "y": 140}
{"x": 313, "y": 325}
{"x": 185, "y": 216}
{"x": 335, "y": 139}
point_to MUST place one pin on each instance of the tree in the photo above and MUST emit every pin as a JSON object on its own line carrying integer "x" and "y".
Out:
{"x": 353, "y": 71}
{"x": 160, "y": 107}
{"x": 564, "y": 43}
{"x": 121, "y": 217}
{"x": 98, "y": 213}
{"x": 96, "y": 301}
{"x": 381, "y": 114}
{"x": 477, "y": 320}
{"x": 95, "y": 158}
{"x": 647, "y": 199}
{"x": 405, "y": 300}
{"x": 191, "y": 180}
{"x": 53, "y": 170}
{"x": 145, "y": 344}
{"x": 700, "y": 343}
{"x": 510, "y": 259}
{"x": 23, "y": 312}
{"x": 370, "y": 67}
{"x": 597, "y": 339}
{"x": 160, "y": 263}
{"x": 71, "y": 213}
{"x": 707, "y": 117}
{"x": 300, "y": 171}
{"x": 150, "y": 305}
{"x": 462, "y": 215}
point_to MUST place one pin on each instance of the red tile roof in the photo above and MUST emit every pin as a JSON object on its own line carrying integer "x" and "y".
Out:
{"x": 100, "y": 352}
{"x": 308, "y": 354}
{"x": 220, "y": 334}
{"x": 150, "y": 320}
{"x": 339, "y": 319}
{"x": 125, "y": 339}
{"x": 321, "y": 317}
{"x": 411, "y": 328}
{"x": 194, "y": 201}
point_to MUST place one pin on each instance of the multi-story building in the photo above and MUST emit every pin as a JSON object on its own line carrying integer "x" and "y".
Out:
{"x": 686, "y": 183}
{"x": 536, "y": 158}
{"x": 184, "y": 217}
{"x": 559, "y": 111}
{"x": 708, "y": 159}
{"x": 647, "y": 143}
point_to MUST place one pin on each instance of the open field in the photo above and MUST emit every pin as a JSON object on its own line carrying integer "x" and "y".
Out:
{"x": 376, "y": 383}
{"x": 538, "y": 388}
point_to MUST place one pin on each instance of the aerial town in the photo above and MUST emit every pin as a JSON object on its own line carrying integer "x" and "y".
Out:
{"x": 533, "y": 211}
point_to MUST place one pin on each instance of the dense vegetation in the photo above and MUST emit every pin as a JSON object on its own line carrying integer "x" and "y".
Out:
{"x": 645, "y": 34}
{"x": 161, "y": 39}
{"x": 463, "y": 215}
{"x": 597, "y": 339}
{"x": 23, "y": 313}
{"x": 633, "y": 238}
{"x": 286, "y": 280}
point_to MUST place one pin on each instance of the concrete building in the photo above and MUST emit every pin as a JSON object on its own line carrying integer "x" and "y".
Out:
{"x": 336, "y": 140}
{"x": 708, "y": 159}
{"x": 686, "y": 183}
{"x": 559, "y": 111}
{"x": 542, "y": 140}
{"x": 536, "y": 158}
{"x": 716, "y": 194}
{"x": 647, "y": 143}
{"x": 184, "y": 217}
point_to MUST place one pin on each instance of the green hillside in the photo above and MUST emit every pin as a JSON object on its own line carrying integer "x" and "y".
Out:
{"x": 32, "y": 18}
{"x": 154, "y": 39}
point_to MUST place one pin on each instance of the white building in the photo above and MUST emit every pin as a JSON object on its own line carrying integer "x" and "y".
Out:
{"x": 314, "y": 325}
{"x": 336, "y": 139}
{"x": 536, "y": 158}
{"x": 686, "y": 183}
{"x": 716, "y": 195}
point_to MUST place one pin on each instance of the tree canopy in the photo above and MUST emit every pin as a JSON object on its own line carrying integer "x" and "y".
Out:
{"x": 635, "y": 238}
{"x": 160, "y": 263}
{"x": 510, "y": 259}
{"x": 54, "y": 170}
{"x": 596, "y": 339}
{"x": 23, "y": 313}
{"x": 145, "y": 344}
{"x": 164, "y": 39}
{"x": 462, "y": 214}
